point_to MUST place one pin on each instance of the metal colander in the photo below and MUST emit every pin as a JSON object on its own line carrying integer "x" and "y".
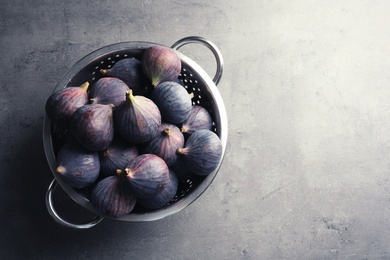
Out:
{"x": 195, "y": 80}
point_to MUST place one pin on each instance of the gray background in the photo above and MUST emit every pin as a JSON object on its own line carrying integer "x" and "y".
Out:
{"x": 306, "y": 87}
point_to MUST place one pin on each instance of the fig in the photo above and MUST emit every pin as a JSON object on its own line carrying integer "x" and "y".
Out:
{"x": 160, "y": 64}
{"x": 111, "y": 197}
{"x": 147, "y": 174}
{"x": 202, "y": 152}
{"x": 137, "y": 119}
{"x": 116, "y": 156}
{"x": 173, "y": 101}
{"x": 77, "y": 166}
{"x": 163, "y": 197}
{"x": 165, "y": 143}
{"x": 61, "y": 104}
{"x": 129, "y": 70}
{"x": 108, "y": 90}
{"x": 93, "y": 126}
{"x": 198, "y": 119}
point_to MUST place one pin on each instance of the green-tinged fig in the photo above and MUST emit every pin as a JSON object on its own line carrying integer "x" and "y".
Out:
{"x": 108, "y": 90}
{"x": 93, "y": 126}
{"x": 129, "y": 70}
{"x": 77, "y": 166}
{"x": 163, "y": 197}
{"x": 202, "y": 152}
{"x": 173, "y": 101}
{"x": 198, "y": 119}
{"x": 137, "y": 119}
{"x": 111, "y": 197}
{"x": 160, "y": 64}
{"x": 148, "y": 175}
{"x": 62, "y": 103}
{"x": 165, "y": 143}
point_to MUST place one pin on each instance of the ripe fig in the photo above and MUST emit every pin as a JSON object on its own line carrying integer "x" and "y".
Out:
{"x": 198, "y": 119}
{"x": 160, "y": 64}
{"x": 61, "y": 104}
{"x": 137, "y": 119}
{"x": 202, "y": 152}
{"x": 116, "y": 156}
{"x": 77, "y": 166}
{"x": 108, "y": 90}
{"x": 93, "y": 126}
{"x": 130, "y": 71}
{"x": 148, "y": 175}
{"x": 163, "y": 197}
{"x": 165, "y": 143}
{"x": 173, "y": 101}
{"x": 111, "y": 197}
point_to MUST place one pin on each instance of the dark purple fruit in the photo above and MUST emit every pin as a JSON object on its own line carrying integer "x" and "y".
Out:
{"x": 111, "y": 197}
{"x": 202, "y": 152}
{"x": 148, "y": 175}
{"x": 116, "y": 156}
{"x": 77, "y": 166}
{"x": 93, "y": 126}
{"x": 160, "y": 64}
{"x": 130, "y": 71}
{"x": 62, "y": 103}
{"x": 198, "y": 119}
{"x": 137, "y": 119}
{"x": 173, "y": 101}
{"x": 163, "y": 197}
{"x": 165, "y": 144}
{"x": 108, "y": 90}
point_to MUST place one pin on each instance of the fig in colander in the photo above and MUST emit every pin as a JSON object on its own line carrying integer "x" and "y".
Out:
{"x": 108, "y": 90}
{"x": 165, "y": 143}
{"x": 163, "y": 197}
{"x": 93, "y": 126}
{"x": 137, "y": 119}
{"x": 147, "y": 174}
{"x": 77, "y": 166}
{"x": 160, "y": 64}
{"x": 111, "y": 197}
{"x": 173, "y": 101}
{"x": 202, "y": 152}
{"x": 129, "y": 71}
{"x": 198, "y": 119}
{"x": 61, "y": 104}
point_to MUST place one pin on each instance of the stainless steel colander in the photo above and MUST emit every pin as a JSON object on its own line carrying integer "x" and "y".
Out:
{"x": 195, "y": 80}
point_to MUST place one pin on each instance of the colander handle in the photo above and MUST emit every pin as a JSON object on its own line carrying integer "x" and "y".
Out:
{"x": 211, "y": 46}
{"x": 53, "y": 213}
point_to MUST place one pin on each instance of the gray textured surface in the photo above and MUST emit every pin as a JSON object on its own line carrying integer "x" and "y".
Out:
{"x": 306, "y": 87}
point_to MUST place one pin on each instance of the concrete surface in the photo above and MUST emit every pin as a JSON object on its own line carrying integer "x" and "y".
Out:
{"x": 306, "y": 87}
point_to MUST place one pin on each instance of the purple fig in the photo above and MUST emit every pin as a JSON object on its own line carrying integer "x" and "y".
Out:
{"x": 93, "y": 126}
{"x": 160, "y": 64}
{"x": 198, "y": 119}
{"x": 108, "y": 90}
{"x": 137, "y": 119}
{"x": 148, "y": 175}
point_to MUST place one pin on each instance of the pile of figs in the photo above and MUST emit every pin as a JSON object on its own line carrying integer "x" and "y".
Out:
{"x": 128, "y": 136}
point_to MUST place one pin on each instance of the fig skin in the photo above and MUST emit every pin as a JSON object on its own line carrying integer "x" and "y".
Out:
{"x": 198, "y": 119}
{"x": 61, "y": 104}
{"x": 77, "y": 166}
{"x": 165, "y": 143}
{"x": 93, "y": 126}
{"x": 202, "y": 152}
{"x": 163, "y": 197}
{"x": 147, "y": 174}
{"x": 160, "y": 64}
{"x": 137, "y": 119}
{"x": 129, "y": 70}
{"x": 108, "y": 90}
{"x": 173, "y": 101}
{"x": 111, "y": 197}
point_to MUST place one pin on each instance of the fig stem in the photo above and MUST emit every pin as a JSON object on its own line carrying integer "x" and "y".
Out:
{"x": 192, "y": 95}
{"x": 167, "y": 131}
{"x": 103, "y": 72}
{"x": 85, "y": 86}
{"x": 60, "y": 170}
{"x": 130, "y": 96}
{"x": 183, "y": 129}
{"x": 180, "y": 150}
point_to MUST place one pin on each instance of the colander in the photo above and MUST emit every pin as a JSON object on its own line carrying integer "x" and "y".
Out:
{"x": 195, "y": 80}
